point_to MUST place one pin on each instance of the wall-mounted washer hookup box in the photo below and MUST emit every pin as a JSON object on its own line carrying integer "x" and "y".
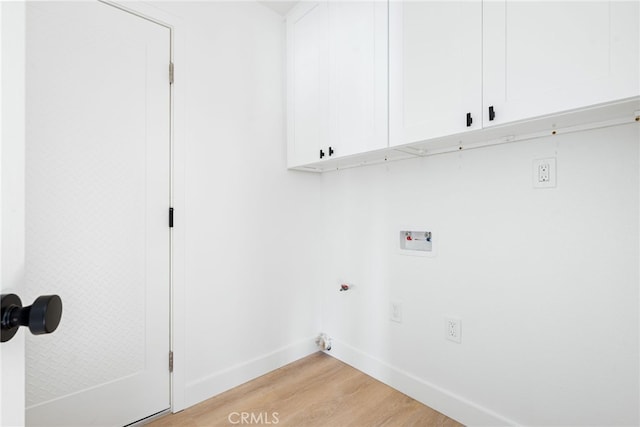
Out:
{"x": 416, "y": 242}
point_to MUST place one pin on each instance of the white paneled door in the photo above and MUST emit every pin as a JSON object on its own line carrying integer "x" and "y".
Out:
{"x": 12, "y": 28}
{"x": 97, "y": 198}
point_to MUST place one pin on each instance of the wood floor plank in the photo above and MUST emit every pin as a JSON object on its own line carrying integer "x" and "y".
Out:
{"x": 317, "y": 391}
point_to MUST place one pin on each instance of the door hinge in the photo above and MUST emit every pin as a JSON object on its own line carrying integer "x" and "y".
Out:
{"x": 170, "y": 73}
{"x": 170, "y": 217}
{"x": 171, "y": 361}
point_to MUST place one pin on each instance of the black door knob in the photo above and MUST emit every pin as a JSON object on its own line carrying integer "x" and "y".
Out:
{"x": 42, "y": 317}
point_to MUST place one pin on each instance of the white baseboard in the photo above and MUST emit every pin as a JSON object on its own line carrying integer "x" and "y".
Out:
{"x": 224, "y": 380}
{"x": 444, "y": 401}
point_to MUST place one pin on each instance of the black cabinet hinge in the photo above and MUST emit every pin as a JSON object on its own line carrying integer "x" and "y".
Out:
{"x": 170, "y": 217}
{"x": 492, "y": 113}
{"x": 469, "y": 120}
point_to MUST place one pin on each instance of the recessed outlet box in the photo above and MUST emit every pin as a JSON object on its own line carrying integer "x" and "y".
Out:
{"x": 395, "y": 311}
{"x": 544, "y": 173}
{"x": 417, "y": 241}
{"x": 453, "y": 329}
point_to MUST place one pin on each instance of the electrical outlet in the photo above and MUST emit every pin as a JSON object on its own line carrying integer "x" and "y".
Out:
{"x": 453, "y": 329}
{"x": 544, "y": 173}
{"x": 395, "y": 311}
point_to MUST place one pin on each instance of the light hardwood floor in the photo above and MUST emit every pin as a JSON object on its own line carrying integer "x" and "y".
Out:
{"x": 315, "y": 391}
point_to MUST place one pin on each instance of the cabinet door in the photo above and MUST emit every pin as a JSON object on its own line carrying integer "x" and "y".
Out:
{"x": 358, "y": 55}
{"x": 307, "y": 83}
{"x": 546, "y": 57}
{"x": 435, "y": 68}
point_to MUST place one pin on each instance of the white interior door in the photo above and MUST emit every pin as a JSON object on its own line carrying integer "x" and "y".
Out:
{"x": 97, "y": 198}
{"x": 12, "y": 29}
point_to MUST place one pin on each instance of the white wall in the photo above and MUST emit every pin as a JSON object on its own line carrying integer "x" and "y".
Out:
{"x": 251, "y": 226}
{"x": 544, "y": 280}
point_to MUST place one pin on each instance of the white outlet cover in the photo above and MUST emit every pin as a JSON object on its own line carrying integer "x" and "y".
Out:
{"x": 453, "y": 329}
{"x": 549, "y": 166}
{"x": 395, "y": 311}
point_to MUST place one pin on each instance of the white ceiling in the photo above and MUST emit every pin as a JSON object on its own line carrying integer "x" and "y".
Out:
{"x": 279, "y": 7}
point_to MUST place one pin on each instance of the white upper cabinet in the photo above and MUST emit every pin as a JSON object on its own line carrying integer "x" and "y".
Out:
{"x": 367, "y": 78}
{"x": 543, "y": 57}
{"x": 358, "y": 76}
{"x": 435, "y": 69}
{"x": 337, "y": 80}
{"x": 307, "y": 83}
